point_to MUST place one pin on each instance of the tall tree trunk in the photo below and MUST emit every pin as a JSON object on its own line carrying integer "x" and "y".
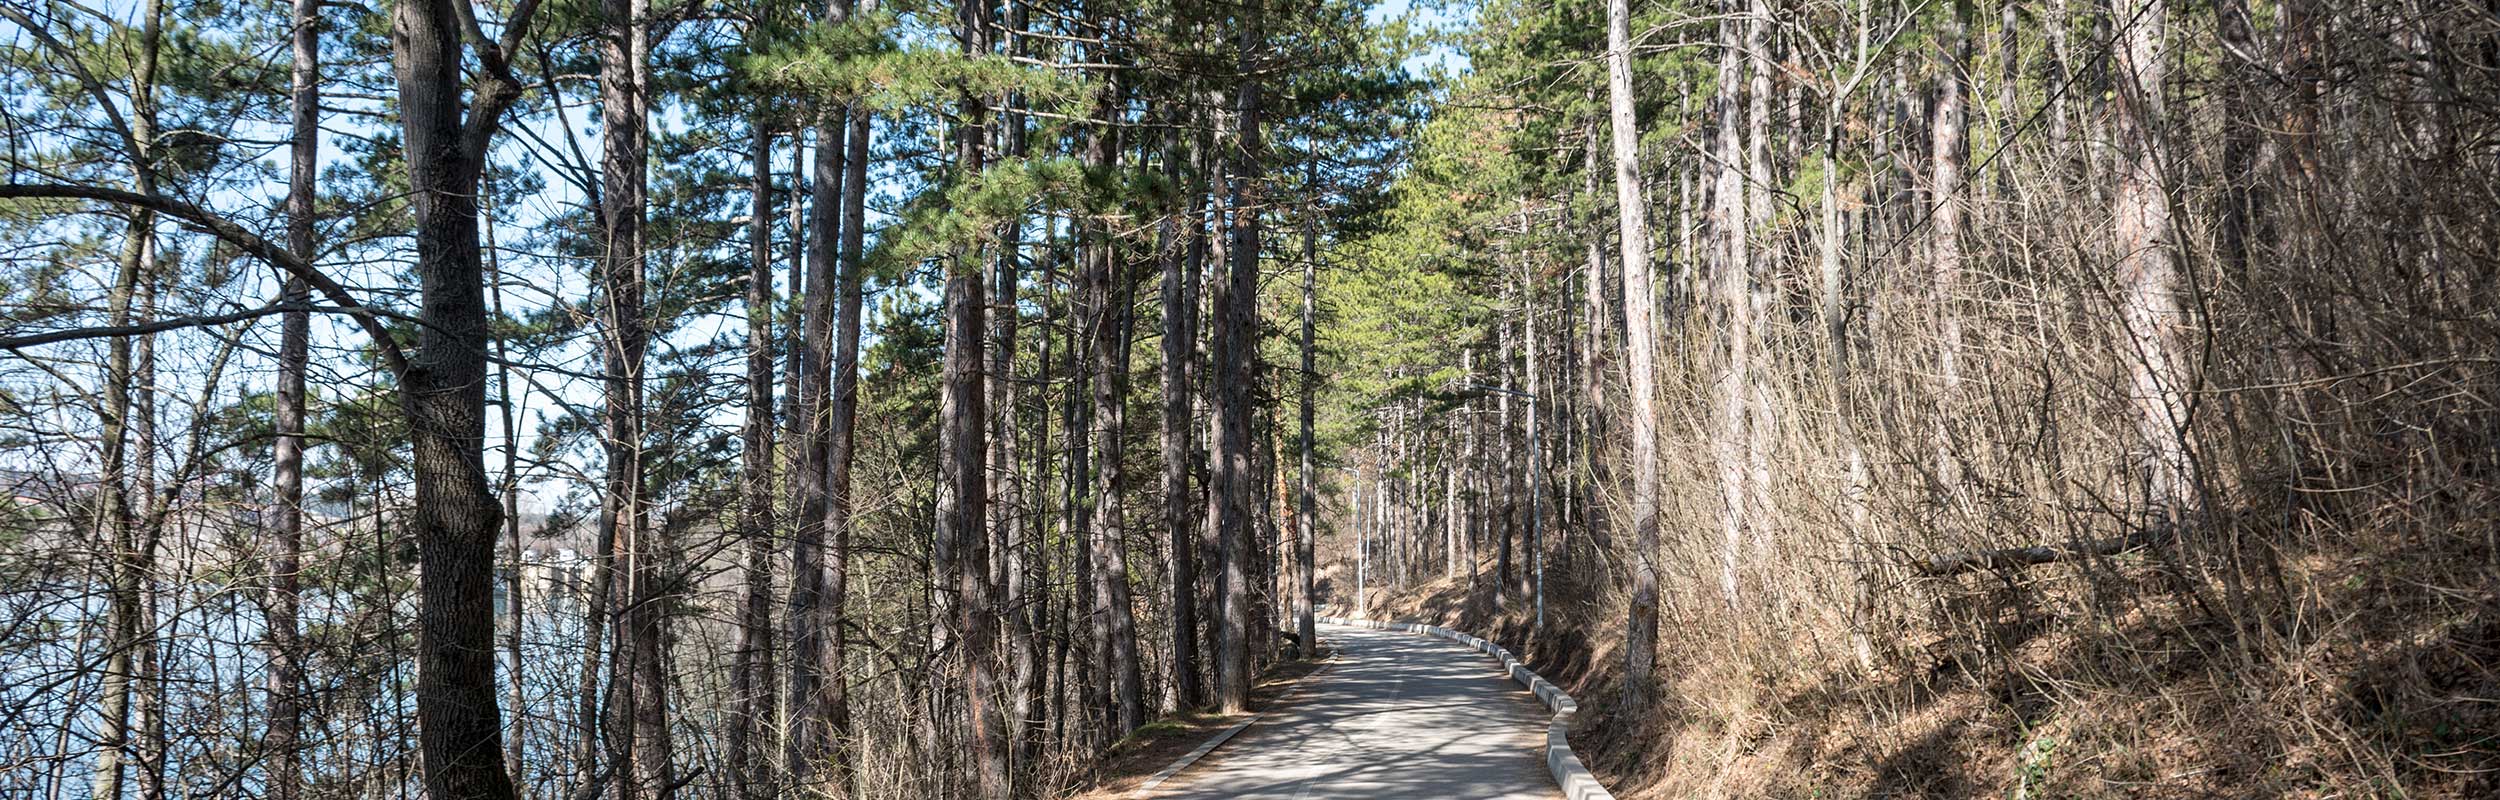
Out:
{"x": 963, "y": 489}
{"x": 1235, "y": 345}
{"x": 2009, "y": 76}
{"x": 1471, "y": 503}
{"x": 818, "y": 750}
{"x": 1109, "y": 292}
{"x": 1834, "y": 313}
{"x": 1306, "y": 494}
{"x": 1533, "y": 472}
{"x": 639, "y": 737}
{"x": 149, "y": 700}
{"x": 841, "y": 421}
{"x": 1180, "y": 335}
{"x": 286, "y": 666}
{"x": 1038, "y": 716}
{"x": 1268, "y": 550}
{"x": 1014, "y": 545}
{"x": 751, "y": 677}
{"x": 2061, "y": 72}
{"x": 1640, "y": 356}
{"x": 1760, "y": 417}
{"x": 1201, "y": 271}
{"x": 1729, "y": 222}
{"x": 1599, "y": 342}
{"x": 1951, "y": 154}
{"x": 1088, "y": 697}
{"x": 589, "y": 686}
{"x": 443, "y": 392}
{"x": 2148, "y": 274}
{"x": 1084, "y": 701}
{"x": 509, "y": 488}
{"x": 126, "y": 631}
{"x": 1117, "y": 627}
{"x": 814, "y": 749}
{"x": 1504, "y": 578}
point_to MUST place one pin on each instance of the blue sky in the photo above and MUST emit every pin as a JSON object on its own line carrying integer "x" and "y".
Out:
{"x": 1440, "y": 14}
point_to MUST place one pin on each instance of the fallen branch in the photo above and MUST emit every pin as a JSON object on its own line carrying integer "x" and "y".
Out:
{"x": 2018, "y": 557}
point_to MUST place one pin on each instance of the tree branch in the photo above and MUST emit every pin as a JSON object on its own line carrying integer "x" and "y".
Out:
{"x": 1943, "y": 564}
{"x": 234, "y": 234}
{"x": 112, "y": 331}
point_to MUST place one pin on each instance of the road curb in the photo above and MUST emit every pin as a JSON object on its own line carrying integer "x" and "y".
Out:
{"x": 1147, "y": 789}
{"x": 1574, "y": 777}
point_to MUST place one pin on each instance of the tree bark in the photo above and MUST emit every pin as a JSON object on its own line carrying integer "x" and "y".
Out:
{"x": 126, "y": 631}
{"x": 1109, "y": 292}
{"x": 1834, "y": 313}
{"x": 1505, "y": 581}
{"x": 1085, "y": 695}
{"x": 1761, "y": 418}
{"x": 1950, "y": 155}
{"x": 1235, "y": 345}
{"x": 286, "y": 665}
{"x": 752, "y": 693}
{"x": 1306, "y": 495}
{"x": 639, "y": 737}
{"x": 1729, "y": 226}
{"x": 2148, "y": 275}
{"x": 1533, "y": 472}
{"x": 1015, "y": 547}
{"x": 1600, "y": 341}
{"x": 842, "y": 416}
{"x": 818, "y": 751}
{"x": 1180, "y": 334}
{"x": 444, "y": 390}
{"x": 1204, "y": 270}
{"x": 1640, "y": 356}
{"x": 963, "y": 490}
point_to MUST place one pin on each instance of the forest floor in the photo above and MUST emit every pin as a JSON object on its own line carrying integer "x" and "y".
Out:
{"x": 1132, "y": 760}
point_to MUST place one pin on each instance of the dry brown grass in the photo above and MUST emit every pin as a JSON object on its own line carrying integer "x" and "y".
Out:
{"x": 2320, "y": 618}
{"x": 2389, "y": 697}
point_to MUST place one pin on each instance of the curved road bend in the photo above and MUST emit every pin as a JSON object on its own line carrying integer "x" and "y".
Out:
{"x": 1398, "y": 717}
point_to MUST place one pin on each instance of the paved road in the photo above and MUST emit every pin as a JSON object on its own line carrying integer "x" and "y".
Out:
{"x": 1398, "y": 717}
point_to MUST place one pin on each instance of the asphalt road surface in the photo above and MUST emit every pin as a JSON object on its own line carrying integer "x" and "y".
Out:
{"x": 1397, "y": 717}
